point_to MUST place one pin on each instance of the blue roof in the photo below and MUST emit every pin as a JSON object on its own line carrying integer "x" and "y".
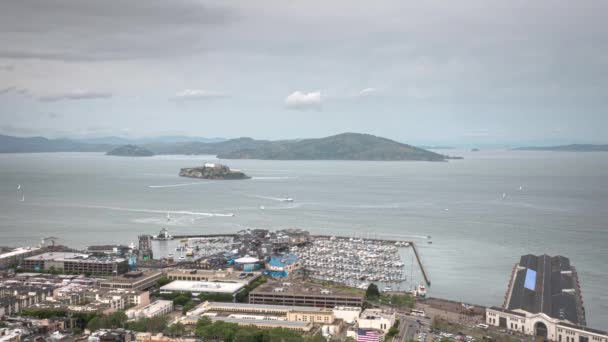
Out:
{"x": 283, "y": 260}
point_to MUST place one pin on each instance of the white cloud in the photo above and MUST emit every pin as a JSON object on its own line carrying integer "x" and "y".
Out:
{"x": 367, "y": 92}
{"x": 75, "y": 95}
{"x": 304, "y": 101}
{"x": 196, "y": 94}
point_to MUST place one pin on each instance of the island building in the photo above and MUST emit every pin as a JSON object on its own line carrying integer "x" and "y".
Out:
{"x": 157, "y": 308}
{"x": 279, "y": 266}
{"x": 303, "y": 294}
{"x": 136, "y": 280}
{"x": 225, "y": 275}
{"x": 75, "y": 263}
{"x": 198, "y": 287}
{"x": 544, "y": 299}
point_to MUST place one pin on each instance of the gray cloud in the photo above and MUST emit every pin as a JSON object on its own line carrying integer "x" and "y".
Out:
{"x": 75, "y": 95}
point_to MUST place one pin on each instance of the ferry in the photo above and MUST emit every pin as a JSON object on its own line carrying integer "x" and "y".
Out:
{"x": 163, "y": 235}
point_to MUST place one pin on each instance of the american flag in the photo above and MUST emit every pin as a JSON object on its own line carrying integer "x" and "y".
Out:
{"x": 367, "y": 336}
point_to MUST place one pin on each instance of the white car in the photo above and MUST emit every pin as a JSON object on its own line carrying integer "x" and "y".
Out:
{"x": 483, "y": 326}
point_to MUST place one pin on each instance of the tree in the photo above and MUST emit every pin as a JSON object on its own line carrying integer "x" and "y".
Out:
{"x": 176, "y": 330}
{"x": 372, "y": 291}
{"x": 189, "y": 306}
{"x": 117, "y": 319}
{"x": 162, "y": 281}
{"x": 181, "y": 299}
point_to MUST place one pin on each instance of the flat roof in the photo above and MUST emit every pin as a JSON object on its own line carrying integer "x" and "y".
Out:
{"x": 303, "y": 289}
{"x": 73, "y": 257}
{"x": 128, "y": 278}
{"x": 266, "y": 306}
{"x": 18, "y": 251}
{"x": 202, "y": 286}
{"x": 278, "y": 323}
{"x": 539, "y": 284}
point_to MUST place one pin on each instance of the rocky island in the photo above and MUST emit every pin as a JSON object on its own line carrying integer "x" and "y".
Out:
{"x": 130, "y": 151}
{"x": 212, "y": 171}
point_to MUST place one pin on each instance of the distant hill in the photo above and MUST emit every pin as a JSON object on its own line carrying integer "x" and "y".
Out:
{"x": 567, "y": 148}
{"x": 9, "y": 144}
{"x": 346, "y": 146}
{"x": 169, "y": 139}
{"x": 130, "y": 151}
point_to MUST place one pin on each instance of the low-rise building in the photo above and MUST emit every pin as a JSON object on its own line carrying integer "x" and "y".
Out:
{"x": 13, "y": 299}
{"x": 542, "y": 325}
{"x": 348, "y": 314}
{"x": 377, "y": 319}
{"x": 114, "y": 335}
{"x": 303, "y": 294}
{"x": 198, "y": 287}
{"x": 282, "y": 265}
{"x": 132, "y": 281}
{"x": 157, "y": 308}
{"x": 226, "y": 275}
{"x": 75, "y": 263}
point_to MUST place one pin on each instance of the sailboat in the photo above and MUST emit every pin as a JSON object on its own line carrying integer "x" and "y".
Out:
{"x": 19, "y": 187}
{"x": 504, "y": 195}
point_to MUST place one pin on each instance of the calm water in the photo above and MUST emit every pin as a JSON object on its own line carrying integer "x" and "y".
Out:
{"x": 477, "y": 236}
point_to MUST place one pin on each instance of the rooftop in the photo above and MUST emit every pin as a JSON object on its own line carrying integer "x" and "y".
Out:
{"x": 547, "y": 284}
{"x": 304, "y": 288}
{"x": 201, "y": 286}
{"x": 73, "y": 257}
{"x": 18, "y": 251}
{"x": 264, "y": 306}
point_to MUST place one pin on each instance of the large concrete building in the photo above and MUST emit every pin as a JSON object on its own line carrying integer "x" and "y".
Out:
{"x": 132, "y": 281}
{"x": 303, "y": 294}
{"x": 227, "y": 275}
{"x": 76, "y": 263}
{"x": 543, "y": 326}
{"x": 543, "y": 299}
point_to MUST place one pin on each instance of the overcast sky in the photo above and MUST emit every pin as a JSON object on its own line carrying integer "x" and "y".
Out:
{"x": 425, "y": 72}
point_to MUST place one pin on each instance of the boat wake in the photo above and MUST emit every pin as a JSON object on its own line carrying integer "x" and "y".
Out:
{"x": 176, "y": 185}
{"x": 273, "y": 178}
{"x": 178, "y": 212}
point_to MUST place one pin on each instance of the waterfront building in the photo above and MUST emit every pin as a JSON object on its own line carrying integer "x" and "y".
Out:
{"x": 198, "y": 287}
{"x": 542, "y": 325}
{"x": 157, "y": 308}
{"x": 137, "y": 280}
{"x": 75, "y": 263}
{"x": 282, "y": 265}
{"x": 543, "y": 299}
{"x": 303, "y": 294}
{"x": 545, "y": 284}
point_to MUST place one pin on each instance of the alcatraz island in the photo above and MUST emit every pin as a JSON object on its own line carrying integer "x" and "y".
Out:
{"x": 212, "y": 171}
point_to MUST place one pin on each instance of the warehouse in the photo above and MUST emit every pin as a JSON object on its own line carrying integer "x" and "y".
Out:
{"x": 198, "y": 287}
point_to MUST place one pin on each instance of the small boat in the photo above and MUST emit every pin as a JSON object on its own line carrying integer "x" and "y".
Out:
{"x": 182, "y": 258}
{"x": 22, "y": 198}
{"x": 429, "y": 242}
{"x": 504, "y": 195}
{"x": 170, "y": 255}
{"x": 287, "y": 199}
{"x": 262, "y": 207}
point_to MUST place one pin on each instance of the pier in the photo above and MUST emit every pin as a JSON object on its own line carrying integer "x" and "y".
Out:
{"x": 424, "y": 274}
{"x": 202, "y": 236}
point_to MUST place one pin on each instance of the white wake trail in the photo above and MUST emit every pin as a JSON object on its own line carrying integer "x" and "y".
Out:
{"x": 176, "y": 185}
{"x": 179, "y": 212}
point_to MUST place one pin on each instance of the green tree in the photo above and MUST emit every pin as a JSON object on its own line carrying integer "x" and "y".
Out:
{"x": 189, "y": 306}
{"x": 372, "y": 292}
{"x": 181, "y": 300}
{"x": 162, "y": 281}
{"x": 176, "y": 330}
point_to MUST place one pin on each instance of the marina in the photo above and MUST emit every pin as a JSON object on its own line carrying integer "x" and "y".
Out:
{"x": 349, "y": 261}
